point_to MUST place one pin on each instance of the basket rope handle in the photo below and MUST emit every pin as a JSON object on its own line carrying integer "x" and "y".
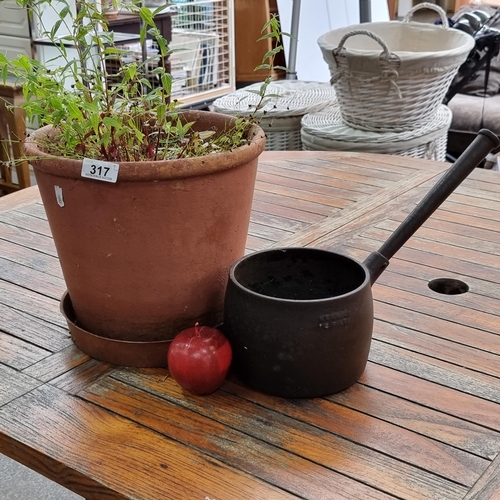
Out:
{"x": 390, "y": 75}
{"x": 385, "y": 50}
{"x": 432, "y": 6}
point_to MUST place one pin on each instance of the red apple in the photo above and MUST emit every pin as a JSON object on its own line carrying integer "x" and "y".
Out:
{"x": 198, "y": 359}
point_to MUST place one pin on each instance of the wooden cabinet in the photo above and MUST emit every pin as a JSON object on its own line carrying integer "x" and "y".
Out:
{"x": 14, "y": 173}
{"x": 249, "y": 17}
{"x": 14, "y": 40}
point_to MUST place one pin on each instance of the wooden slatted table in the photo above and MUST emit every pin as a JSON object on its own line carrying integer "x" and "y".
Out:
{"x": 422, "y": 423}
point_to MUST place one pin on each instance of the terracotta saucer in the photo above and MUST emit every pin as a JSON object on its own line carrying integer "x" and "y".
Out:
{"x": 117, "y": 352}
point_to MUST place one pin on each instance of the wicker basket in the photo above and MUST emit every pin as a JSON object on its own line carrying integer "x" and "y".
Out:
{"x": 326, "y": 131}
{"x": 402, "y": 86}
{"x": 281, "y": 116}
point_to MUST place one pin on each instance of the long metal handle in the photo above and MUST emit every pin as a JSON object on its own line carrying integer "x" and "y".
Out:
{"x": 484, "y": 142}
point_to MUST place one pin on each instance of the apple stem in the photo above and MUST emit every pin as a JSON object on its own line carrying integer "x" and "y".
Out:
{"x": 197, "y": 329}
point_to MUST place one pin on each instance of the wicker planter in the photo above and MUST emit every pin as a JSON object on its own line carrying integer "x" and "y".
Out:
{"x": 149, "y": 255}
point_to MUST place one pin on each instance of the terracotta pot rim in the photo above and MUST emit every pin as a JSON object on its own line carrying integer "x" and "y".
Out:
{"x": 155, "y": 170}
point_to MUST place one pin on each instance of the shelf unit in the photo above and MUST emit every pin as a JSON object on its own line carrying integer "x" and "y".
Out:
{"x": 202, "y": 40}
{"x": 203, "y": 59}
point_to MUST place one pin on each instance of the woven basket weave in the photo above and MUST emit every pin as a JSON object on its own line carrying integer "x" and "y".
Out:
{"x": 402, "y": 86}
{"x": 326, "y": 131}
{"x": 280, "y": 117}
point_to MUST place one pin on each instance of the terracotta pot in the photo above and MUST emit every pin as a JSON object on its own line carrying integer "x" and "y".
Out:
{"x": 148, "y": 256}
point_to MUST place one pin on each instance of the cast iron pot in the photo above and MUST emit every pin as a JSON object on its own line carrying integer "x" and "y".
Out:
{"x": 300, "y": 320}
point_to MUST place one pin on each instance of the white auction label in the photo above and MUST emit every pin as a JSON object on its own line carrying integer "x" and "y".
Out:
{"x": 100, "y": 170}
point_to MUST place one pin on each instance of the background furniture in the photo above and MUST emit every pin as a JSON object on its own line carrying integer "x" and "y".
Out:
{"x": 472, "y": 110}
{"x": 202, "y": 37}
{"x": 393, "y": 9}
{"x": 461, "y": 3}
{"x": 130, "y": 23}
{"x": 203, "y": 40}
{"x": 421, "y": 423}
{"x": 14, "y": 30}
{"x": 14, "y": 173}
{"x": 249, "y": 17}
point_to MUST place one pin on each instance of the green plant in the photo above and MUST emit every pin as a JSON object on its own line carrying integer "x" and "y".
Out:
{"x": 125, "y": 116}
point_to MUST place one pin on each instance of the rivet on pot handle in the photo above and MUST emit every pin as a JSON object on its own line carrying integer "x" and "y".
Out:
{"x": 484, "y": 142}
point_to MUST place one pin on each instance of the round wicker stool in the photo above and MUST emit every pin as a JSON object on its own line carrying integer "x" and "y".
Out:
{"x": 326, "y": 131}
{"x": 280, "y": 117}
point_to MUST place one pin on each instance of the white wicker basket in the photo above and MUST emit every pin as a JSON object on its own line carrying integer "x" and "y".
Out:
{"x": 326, "y": 131}
{"x": 280, "y": 117}
{"x": 400, "y": 87}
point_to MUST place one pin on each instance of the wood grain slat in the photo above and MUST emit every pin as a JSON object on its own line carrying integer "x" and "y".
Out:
{"x": 440, "y": 328}
{"x": 267, "y": 232}
{"x": 32, "y": 279}
{"x": 14, "y": 385}
{"x": 254, "y": 243}
{"x": 486, "y": 178}
{"x": 435, "y": 370}
{"x": 349, "y": 173}
{"x": 432, "y": 394}
{"x": 278, "y": 222}
{"x": 471, "y": 238}
{"x": 39, "y": 306}
{"x": 394, "y": 164}
{"x": 48, "y": 264}
{"x": 478, "y": 305}
{"x": 34, "y": 209}
{"x": 27, "y": 239}
{"x": 468, "y": 220}
{"x": 59, "y": 363}
{"x": 19, "y": 199}
{"x": 293, "y": 203}
{"x": 330, "y": 190}
{"x": 435, "y": 307}
{"x": 447, "y": 229}
{"x": 488, "y": 485}
{"x": 412, "y": 262}
{"x": 82, "y": 375}
{"x": 84, "y": 442}
{"x": 468, "y": 198}
{"x": 231, "y": 446}
{"x": 440, "y": 348}
{"x": 467, "y": 208}
{"x": 327, "y": 232}
{"x": 305, "y": 439}
{"x": 281, "y": 174}
{"x": 297, "y": 193}
{"x": 19, "y": 354}
{"x": 424, "y": 266}
{"x": 418, "y": 418}
{"x": 25, "y": 221}
{"x": 34, "y": 330}
{"x": 294, "y": 214}
{"x": 430, "y": 455}
{"x": 371, "y": 165}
